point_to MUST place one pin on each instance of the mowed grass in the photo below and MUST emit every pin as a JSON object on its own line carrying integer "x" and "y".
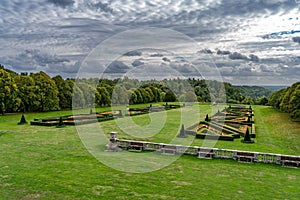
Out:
{"x": 52, "y": 163}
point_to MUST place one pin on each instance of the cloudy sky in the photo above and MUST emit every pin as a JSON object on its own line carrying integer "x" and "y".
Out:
{"x": 249, "y": 42}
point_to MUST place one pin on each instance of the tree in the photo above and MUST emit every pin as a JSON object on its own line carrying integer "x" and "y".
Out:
{"x": 27, "y": 92}
{"x": 88, "y": 91}
{"x": 132, "y": 97}
{"x": 145, "y": 95}
{"x": 78, "y": 100}
{"x": 102, "y": 96}
{"x": 65, "y": 90}
{"x": 262, "y": 101}
{"x": 139, "y": 97}
{"x": 46, "y": 92}
{"x": 150, "y": 95}
{"x": 190, "y": 97}
{"x": 8, "y": 93}
{"x": 156, "y": 94}
{"x": 276, "y": 97}
{"x": 294, "y": 101}
{"x": 289, "y": 101}
{"x": 120, "y": 95}
{"x": 170, "y": 97}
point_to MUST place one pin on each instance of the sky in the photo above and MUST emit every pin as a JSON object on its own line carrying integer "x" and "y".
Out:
{"x": 244, "y": 42}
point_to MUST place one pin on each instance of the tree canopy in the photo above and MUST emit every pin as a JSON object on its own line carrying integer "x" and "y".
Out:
{"x": 287, "y": 100}
{"x": 40, "y": 92}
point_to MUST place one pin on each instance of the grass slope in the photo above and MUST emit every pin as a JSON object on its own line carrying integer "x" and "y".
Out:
{"x": 50, "y": 163}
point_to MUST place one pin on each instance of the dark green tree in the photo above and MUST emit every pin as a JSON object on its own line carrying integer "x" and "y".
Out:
{"x": 78, "y": 100}
{"x": 276, "y": 98}
{"x": 9, "y": 100}
{"x": 103, "y": 97}
{"x": 65, "y": 90}
{"x": 27, "y": 92}
{"x": 120, "y": 95}
{"x": 46, "y": 92}
{"x": 170, "y": 97}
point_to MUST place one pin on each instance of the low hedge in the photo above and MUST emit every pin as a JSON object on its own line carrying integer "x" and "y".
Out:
{"x": 190, "y": 132}
{"x": 223, "y": 129}
{"x": 214, "y": 137}
{"x": 40, "y": 123}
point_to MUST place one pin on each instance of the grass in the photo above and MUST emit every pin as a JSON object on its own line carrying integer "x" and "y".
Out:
{"x": 49, "y": 163}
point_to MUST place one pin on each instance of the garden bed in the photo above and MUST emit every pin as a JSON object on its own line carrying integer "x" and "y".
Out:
{"x": 78, "y": 119}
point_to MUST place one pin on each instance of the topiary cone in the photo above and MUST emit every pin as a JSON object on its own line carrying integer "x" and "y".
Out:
{"x": 23, "y": 120}
{"x": 182, "y": 132}
{"x": 247, "y": 138}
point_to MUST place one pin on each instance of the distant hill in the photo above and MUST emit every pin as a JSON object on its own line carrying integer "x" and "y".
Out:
{"x": 254, "y": 91}
{"x": 274, "y": 87}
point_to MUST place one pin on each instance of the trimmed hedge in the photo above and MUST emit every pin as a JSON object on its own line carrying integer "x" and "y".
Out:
{"x": 77, "y": 119}
{"x": 214, "y": 137}
{"x": 221, "y": 128}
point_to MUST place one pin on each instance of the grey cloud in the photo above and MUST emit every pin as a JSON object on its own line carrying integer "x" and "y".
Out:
{"x": 206, "y": 51}
{"x": 233, "y": 7}
{"x": 137, "y": 63}
{"x": 156, "y": 55}
{"x": 296, "y": 39}
{"x": 71, "y": 69}
{"x": 31, "y": 59}
{"x": 239, "y": 56}
{"x": 283, "y": 60}
{"x": 117, "y": 67}
{"x": 225, "y": 71}
{"x": 99, "y": 6}
{"x": 220, "y": 52}
{"x": 133, "y": 53}
{"x": 184, "y": 69}
{"x": 225, "y": 63}
{"x": 292, "y": 71}
{"x": 62, "y": 3}
{"x": 253, "y": 58}
{"x": 280, "y": 34}
{"x": 271, "y": 60}
{"x": 245, "y": 70}
{"x": 42, "y": 58}
{"x": 266, "y": 68}
{"x": 263, "y": 44}
{"x": 165, "y": 59}
{"x": 232, "y": 56}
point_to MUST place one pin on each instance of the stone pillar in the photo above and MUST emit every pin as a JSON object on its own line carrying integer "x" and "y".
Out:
{"x": 113, "y": 145}
{"x": 113, "y": 137}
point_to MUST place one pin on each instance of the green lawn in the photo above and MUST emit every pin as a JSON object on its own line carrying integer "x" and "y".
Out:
{"x": 50, "y": 163}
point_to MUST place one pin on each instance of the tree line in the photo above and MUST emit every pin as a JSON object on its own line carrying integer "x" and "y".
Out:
{"x": 39, "y": 92}
{"x": 287, "y": 100}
